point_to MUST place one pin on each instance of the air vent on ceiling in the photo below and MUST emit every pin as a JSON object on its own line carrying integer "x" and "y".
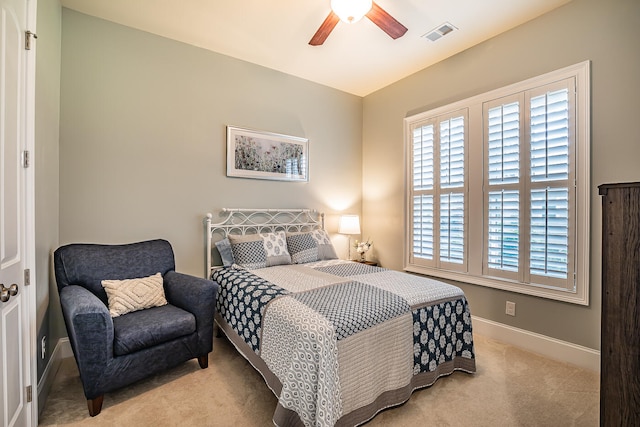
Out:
{"x": 439, "y": 32}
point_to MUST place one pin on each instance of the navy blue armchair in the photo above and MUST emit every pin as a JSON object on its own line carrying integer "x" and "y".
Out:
{"x": 115, "y": 352}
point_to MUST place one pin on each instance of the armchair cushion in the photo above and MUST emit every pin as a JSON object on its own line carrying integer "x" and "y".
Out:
{"x": 150, "y": 327}
{"x": 134, "y": 294}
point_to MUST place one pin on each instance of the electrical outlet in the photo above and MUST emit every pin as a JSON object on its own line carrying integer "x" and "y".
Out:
{"x": 511, "y": 308}
{"x": 43, "y": 347}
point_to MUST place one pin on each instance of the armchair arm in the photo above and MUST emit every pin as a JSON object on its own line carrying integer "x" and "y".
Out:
{"x": 90, "y": 330}
{"x": 195, "y": 295}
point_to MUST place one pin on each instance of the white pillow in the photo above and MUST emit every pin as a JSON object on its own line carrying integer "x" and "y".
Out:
{"x": 130, "y": 295}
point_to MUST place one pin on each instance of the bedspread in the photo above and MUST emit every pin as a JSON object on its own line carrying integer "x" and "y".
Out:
{"x": 338, "y": 341}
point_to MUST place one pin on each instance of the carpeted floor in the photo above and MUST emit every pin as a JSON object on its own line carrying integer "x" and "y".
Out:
{"x": 511, "y": 387}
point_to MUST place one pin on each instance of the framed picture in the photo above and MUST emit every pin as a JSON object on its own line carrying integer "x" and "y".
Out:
{"x": 266, "y": 155}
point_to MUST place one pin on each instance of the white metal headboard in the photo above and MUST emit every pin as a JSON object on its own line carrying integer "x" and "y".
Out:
{"x": 254, "y": 221}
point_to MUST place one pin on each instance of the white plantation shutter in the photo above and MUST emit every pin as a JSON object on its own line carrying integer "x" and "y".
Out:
{"x": 527, "y": 206}
{"x": 423, "y": 226}
{"x": 452, "y": 153}
{"x": 498, "y": 188}
{"x": 550, "y": 136}
{"x": 423, "y": 190}
{"x": 549, "y": 232}
{"x": 504, "y": 143}
{"x": 438, "y": 174}
{"x": 452, "y": 228}
{"x": 503, "y": 232}
{"x": 452, "y": 173}
{"x": 503, "y": 187}
{"x": 551, "y": 180}
{"x": 423, "y": 144}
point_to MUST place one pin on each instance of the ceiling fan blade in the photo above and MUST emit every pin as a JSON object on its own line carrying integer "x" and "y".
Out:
{"x": 386, "y": 22}
{"x": 325, "y": 29}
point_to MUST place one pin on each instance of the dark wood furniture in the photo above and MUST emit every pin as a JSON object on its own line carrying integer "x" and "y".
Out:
{"x": 620, "y": 344}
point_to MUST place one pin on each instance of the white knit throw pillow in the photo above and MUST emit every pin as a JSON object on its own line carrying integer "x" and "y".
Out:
{"x": 130, "y": 295}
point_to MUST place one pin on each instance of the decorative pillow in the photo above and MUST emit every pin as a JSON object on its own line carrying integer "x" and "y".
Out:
{"x": 260, "y": 250}
{"x": 226, "y": 254}
{"x": 130, "y": 295}
{"x": 310, "y": 246}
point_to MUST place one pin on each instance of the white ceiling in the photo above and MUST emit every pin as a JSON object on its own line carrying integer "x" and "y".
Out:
{"x": 358, "y": 58}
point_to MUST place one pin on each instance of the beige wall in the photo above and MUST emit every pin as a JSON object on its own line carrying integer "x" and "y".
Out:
{"x": 607, "y": 34}
{"x": 143, "y": 138}
{"x": 47, "y": 118}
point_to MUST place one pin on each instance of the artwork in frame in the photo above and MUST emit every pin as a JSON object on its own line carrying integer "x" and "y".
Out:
{"x": 266, "y": 155}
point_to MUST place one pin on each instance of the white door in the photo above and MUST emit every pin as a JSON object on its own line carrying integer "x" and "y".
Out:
{"x": 15, "y": 371}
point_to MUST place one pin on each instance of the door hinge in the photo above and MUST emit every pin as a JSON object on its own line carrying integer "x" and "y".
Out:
{"x": 27, "y": 39}
{"x": 27, "y": 277}
{"x": 29, "y": 394}
{"x": 26, "y": 159}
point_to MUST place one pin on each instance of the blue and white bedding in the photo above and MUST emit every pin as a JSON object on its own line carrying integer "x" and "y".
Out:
{"x": 338, "y": 341}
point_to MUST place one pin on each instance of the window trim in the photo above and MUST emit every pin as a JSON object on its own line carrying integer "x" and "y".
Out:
{"x": 475, "y": 229}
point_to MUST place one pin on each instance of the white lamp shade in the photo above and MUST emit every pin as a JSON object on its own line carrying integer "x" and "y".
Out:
{"x": 351, "y": 11}
{"x": 349, "y": 224}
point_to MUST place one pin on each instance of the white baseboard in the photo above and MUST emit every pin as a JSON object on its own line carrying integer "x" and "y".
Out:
{"x": 65, "y": 348}
{"x": 60, "y": 352}
{"x": 552, "y": 348}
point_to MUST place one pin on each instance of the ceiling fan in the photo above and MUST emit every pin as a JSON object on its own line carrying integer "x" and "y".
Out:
{"x": 351, "y": 11}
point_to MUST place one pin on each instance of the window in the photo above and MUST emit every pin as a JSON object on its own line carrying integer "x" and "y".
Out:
{"x": 498, "y": 188}
{"x": 439, "y": 234}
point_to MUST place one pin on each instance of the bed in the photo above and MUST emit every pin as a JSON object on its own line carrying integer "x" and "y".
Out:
{"x": 336, "y": 341}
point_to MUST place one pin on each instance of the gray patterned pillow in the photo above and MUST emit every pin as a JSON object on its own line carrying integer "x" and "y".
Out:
{"x": 310, "y": 246}
{"x": 260, "y": 250}
{"x": 226, "y": 254}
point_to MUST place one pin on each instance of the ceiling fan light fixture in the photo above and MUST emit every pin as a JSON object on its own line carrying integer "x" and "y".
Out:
{"x": 351, "y": 11}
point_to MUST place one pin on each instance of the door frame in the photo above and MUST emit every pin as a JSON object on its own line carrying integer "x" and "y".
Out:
{"x": 30, "y": 304}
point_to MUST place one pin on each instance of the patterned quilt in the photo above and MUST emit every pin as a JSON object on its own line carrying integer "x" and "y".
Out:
{"x": 338, "y": 341}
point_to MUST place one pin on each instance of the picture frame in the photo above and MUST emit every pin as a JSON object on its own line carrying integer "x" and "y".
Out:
{"x": 266, "y": 155}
